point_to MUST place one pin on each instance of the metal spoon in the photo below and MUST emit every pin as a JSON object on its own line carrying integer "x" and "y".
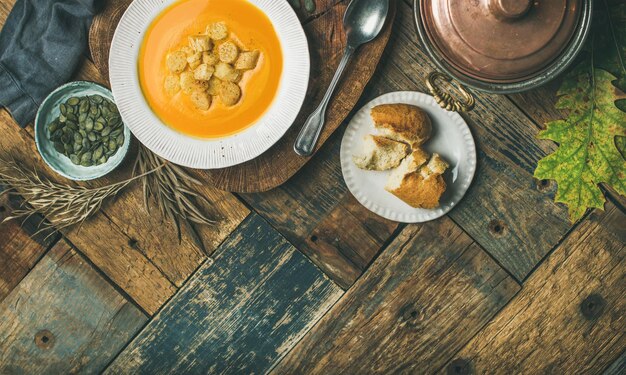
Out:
{"x": 363, "y": 21}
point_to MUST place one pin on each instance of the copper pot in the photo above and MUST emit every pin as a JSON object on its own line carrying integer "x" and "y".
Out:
{"x": 499, "y": 46}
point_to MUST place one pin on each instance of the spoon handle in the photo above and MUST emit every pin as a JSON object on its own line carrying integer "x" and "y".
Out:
{"x": 307, "y": 139}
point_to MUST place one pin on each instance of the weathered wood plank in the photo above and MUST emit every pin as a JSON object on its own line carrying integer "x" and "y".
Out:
{"x": 122, "y": 243}
{"x": 618, "y": 367}
{"x": 428, "y": 293}
{"x": 98, "y": 238}
{"x": 139, "y": 225}
{"x": 64, "y": 318}
{"x": 570, "y": 316}
{"x": 22, "y": 243}
{"x": 505, "y": 203}
{"x": 238, "y": 314}
{"x": 315, "y": 212}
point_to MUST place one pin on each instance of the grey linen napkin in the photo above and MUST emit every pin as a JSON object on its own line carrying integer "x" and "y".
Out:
{"x": 41, "y": 45}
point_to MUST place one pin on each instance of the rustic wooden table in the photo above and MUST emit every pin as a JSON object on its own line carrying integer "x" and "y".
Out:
{"x": 303, "y": 279}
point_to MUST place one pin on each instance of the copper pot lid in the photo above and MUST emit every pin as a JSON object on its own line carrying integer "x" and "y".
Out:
{"x": 500, "y": 40}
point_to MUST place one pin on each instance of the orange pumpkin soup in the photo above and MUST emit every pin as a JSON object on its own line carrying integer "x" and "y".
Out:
{"x": 248, "y": 27}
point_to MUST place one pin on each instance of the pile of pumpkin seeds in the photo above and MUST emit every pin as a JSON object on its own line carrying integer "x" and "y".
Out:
{"x": 89, "y": 130}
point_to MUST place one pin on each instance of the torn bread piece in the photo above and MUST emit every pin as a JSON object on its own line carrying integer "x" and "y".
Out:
{"x": 380, "y": 153}
{"x": 419, "y": 181}
{"x": 402, "y": 122}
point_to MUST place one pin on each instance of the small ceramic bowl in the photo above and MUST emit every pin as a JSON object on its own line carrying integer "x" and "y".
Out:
{"x": 49, "y": 110}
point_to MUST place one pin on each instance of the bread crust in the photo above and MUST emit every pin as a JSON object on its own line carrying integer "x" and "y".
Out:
{"x": 403, "y": 122}
{"x": 420, "y": 192}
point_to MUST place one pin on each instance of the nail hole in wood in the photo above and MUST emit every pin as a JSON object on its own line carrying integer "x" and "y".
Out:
{"x": 313, "y": 238}
{"x": 497, "y": 227}
{"x": 410, "y": 315}
{"x": 592, "y": 306}
{"x": 133, "y": 243}
{"x": 543, "y": 185}
{"x": 44, "y": 339}
{"x": 459, "y": 367}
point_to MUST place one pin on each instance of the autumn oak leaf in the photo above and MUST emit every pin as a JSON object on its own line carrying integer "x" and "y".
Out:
{"x": 588, "y": 140}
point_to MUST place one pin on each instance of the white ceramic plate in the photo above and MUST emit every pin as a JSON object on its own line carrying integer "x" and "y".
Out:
{"x": 207, "y": 153}
{"x": 451, "y": 139}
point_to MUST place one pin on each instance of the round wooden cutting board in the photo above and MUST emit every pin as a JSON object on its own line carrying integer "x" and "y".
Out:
{"x": 326, "y": 38}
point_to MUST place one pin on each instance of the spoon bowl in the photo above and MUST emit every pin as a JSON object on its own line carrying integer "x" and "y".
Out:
{"x": 364, "y": 19}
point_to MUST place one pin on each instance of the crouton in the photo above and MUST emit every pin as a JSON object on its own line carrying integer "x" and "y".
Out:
{"x": 200, "y": 43}
{"x": 210, "y": 58}
{"x": 172, "y": 85}
{"x": 215, "y": 85}
{"x": 217, "y": 30}
{"x": 176, "y": 62}
{"x": 187, "y": 50}
{"x": 226, "y": 72}
{"x": 201, "y": 100}
{"x": 228, "y": 52}
{"x": 194, "y": 60}
{"x": 230, "y": 93}
{"x": 187, "y": 82}
{"x": 247, "y": 60}
{"x": 203, "y": 72}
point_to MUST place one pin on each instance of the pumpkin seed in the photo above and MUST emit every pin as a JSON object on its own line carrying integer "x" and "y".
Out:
{"x": 59, "y": 147}
{"x": 52, "y": 127}
{"x": 88, "y": 130}
{"x": 97, "y": 154}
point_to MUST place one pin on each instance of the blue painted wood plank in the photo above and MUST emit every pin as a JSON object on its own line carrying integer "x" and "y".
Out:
{"x": 240, "y": 313}
{"x": 64, "y": 318}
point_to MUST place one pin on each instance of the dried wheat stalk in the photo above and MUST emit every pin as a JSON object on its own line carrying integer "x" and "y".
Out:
{"x": 63, "y": 205}
{"x": 171, "y": 188}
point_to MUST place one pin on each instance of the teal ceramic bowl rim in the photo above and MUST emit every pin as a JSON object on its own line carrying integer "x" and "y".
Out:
{"x": 40, "y": 131}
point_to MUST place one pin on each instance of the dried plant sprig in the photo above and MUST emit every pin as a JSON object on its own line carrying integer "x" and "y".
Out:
{"x": 61, "y": 204}
{"x": 171, "y": 188}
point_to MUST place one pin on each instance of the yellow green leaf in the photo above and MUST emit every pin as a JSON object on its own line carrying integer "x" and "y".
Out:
{"x": 588, "y": 152}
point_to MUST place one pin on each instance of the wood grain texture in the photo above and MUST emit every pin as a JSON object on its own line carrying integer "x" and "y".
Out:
{"x": 315, "y": 212}
{"x": 428, "y": 293}
{"x": 505, "y": 204}
{"x": 22, "y": 243}
{"x": 64, "y": 318}
{"x": 130, "y": 215}
{"x": 571, "y": 315}
{"x": 238, "y": 314}
{"x": 618, "y": 367}
{"x": 124, "y": 242}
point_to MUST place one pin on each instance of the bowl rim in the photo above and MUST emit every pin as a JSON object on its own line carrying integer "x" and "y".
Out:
{"x": 209, "y": 153}
{"x": 38, "y": 123}
{"x": 551, "y": 71}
